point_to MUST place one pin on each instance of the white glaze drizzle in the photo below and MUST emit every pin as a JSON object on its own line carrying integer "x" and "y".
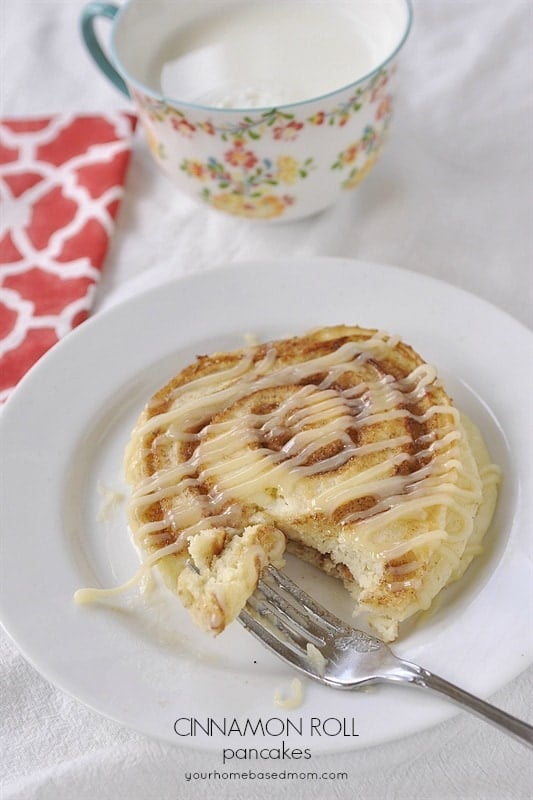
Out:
{"x": 233, "y": 460}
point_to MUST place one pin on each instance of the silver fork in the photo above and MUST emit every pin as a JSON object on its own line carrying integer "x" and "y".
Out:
{"x": 286, "y": 619}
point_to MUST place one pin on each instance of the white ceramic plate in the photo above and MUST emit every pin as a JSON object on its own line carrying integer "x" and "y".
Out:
{"x": 63, "y": 434}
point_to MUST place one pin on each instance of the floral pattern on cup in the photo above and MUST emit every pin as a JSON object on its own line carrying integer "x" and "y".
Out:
{"x": 241, "y": 183}
{"x": 361, "y": 155}
{"x": 250, "y": 164}
{"x": 281, "y": 124}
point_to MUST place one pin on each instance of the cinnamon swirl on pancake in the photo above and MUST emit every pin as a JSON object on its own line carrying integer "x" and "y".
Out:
{"x": 341, "y": 445}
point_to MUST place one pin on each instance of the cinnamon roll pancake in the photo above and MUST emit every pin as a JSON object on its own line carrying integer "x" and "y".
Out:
{"x": 341, "y": 446}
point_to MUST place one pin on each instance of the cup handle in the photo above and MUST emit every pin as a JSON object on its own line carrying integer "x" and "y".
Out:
{"x": 88, "y": 16}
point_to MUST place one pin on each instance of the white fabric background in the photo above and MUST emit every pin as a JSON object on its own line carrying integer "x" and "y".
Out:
{"x": 451, "y": 197}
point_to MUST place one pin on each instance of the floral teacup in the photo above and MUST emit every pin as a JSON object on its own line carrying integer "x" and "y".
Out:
{"x": 274, "y": 161}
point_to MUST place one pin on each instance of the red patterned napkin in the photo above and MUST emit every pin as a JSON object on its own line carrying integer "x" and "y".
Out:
{"x": 61, "y": 182}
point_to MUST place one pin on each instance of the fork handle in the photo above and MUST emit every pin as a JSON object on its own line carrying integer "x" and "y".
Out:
{"x": 428, "y": 680}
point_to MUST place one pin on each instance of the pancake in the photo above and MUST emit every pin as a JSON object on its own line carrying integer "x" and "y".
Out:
{"x": 340, "y": 445}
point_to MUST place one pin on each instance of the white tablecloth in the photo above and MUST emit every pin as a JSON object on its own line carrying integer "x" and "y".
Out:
{"x": 452, "y": 198}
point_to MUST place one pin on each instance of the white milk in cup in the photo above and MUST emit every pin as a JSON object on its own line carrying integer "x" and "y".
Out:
{"x": 264, "y": 109}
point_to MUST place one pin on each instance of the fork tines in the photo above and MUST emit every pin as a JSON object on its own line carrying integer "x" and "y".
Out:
{"x": 287, "y": 619}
